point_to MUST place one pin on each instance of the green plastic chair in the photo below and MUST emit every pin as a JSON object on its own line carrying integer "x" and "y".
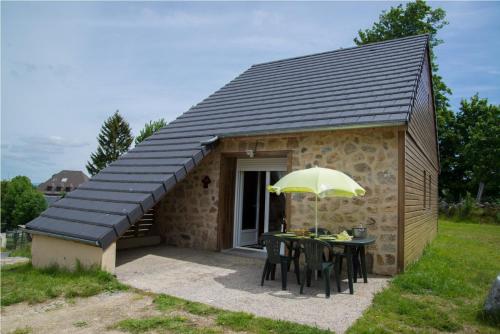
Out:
{"x": 273, "y": 246}
{"x": 314, "y": 251}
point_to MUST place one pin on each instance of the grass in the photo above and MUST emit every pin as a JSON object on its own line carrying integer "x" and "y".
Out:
{"x": 240, "y": 321}
{"x": 24, "y": 330}
{"x": 172, "y": 324}
{"x": 220, "y": 321}
{"x": 445, "y": 290}
{"x": 24, "y": 251}
{"x": 169, "y": 303}
{"x": 80, "y": 324}
{"x": 23, "y": 283}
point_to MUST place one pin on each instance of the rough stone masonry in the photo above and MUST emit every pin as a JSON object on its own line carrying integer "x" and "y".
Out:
{"x": 187, "y": 216}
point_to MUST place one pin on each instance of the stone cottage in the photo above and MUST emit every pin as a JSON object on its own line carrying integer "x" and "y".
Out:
{"x": 201, "y": 181}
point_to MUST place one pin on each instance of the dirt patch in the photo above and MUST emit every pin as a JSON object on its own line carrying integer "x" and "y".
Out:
{"x": 82, "y": 315}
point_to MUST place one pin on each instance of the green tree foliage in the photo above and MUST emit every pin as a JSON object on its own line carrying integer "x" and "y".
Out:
{"x": 417, "y": 18}
{"x": 4, "y": 187}
{"x": 414, "y": 18}
{"x": 29, "y": 206}
{"x": 114, "y": 139}
{"x": 21, "y": 202}
{"x": 149, "y": 129}
{"x": 478, "y": 129}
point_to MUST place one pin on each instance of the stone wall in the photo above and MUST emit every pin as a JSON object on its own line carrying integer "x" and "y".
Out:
{"x": 188, "y": 215}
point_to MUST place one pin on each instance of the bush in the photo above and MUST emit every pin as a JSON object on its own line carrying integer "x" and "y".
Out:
{"x": 21, "y": 202}
{"x": 468, "y": 210}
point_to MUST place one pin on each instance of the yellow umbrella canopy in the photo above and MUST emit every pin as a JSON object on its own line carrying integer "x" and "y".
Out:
{"x": 323, "y": 182}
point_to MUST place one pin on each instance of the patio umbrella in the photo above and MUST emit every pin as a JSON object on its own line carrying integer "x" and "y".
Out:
{"x": 322, "y": 182}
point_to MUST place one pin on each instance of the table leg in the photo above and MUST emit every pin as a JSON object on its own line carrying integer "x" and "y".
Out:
{"x": 349, "y": 269}
{"x": 358, "y": 263}
{"x": 363, "y": 263}
{"x": 355, "y": 263}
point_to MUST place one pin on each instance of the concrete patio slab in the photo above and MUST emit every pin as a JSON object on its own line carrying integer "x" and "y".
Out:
{"x": 232, "y": 282}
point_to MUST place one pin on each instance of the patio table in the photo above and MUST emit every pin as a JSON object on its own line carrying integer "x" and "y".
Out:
{"x": 354, "y": 251}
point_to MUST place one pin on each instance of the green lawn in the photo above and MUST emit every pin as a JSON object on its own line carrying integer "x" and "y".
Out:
{"x": 24, "y": 251}
{"x": 445, "y": 290}
{"x": 22, "y": 282}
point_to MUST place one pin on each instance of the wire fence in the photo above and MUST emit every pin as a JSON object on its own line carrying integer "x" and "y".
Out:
{"x": 16, "y": 239}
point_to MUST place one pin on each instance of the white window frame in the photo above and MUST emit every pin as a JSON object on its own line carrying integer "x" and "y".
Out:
{"x": 253, "y": 165}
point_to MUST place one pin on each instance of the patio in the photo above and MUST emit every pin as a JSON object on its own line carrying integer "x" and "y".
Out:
{"x": 231, "y": 280}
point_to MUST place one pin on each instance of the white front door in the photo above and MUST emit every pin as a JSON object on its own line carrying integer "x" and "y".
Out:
{"x": 256, "y": 211}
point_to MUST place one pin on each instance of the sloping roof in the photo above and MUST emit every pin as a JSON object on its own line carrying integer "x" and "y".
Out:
{"x": 63, "y": 179}
{"x": 361, "y": 86}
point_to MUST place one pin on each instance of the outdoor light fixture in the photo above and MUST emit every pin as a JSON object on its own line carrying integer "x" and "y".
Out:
{"x": 206, "y": 181}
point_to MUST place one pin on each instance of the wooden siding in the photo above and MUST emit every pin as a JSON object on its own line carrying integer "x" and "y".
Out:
{"x": 421, "y": 166}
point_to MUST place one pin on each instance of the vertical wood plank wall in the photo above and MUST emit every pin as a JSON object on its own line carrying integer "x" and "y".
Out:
{"x": 421, "y": 160}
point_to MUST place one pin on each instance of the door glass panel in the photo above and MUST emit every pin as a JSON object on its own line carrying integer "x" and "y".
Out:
{"x": 262, "y": 201}
{"x": 276, "y": 204}
{"x": 250, "y": 200}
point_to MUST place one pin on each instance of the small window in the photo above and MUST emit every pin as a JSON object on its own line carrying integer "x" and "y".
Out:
{"x": 58, "y": 188}
{"x": 67, "y": 189}
{"x": 49, "y": 188}
{"x": 425, "y": 189}
{"x": 429, "y": 189}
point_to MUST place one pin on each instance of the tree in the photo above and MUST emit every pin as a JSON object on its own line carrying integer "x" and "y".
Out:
{"x": 13, "y": 189}
{"x": 114, "y": 139}
{"x": 4, "y": 187}
{"x": 414, "y": 19}
{"x": 417, "y": 18}
{"x": 149, "y": 129}
{"x": 29, "y": 206}
{"x": 21, "y": 202}
{"x": 478, "y": 125}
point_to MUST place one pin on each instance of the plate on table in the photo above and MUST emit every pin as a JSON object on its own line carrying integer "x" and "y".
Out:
{"x": 327, "y": 237}
{"x": 286, "y": 234}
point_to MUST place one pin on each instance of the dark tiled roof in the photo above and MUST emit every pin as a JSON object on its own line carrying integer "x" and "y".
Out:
{"x": 61, "y": 181}
{"x": 361, "y": 86}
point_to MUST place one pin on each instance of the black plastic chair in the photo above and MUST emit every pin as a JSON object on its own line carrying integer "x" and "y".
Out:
{"x": 314, "y": 251}
{"x": 274, "y": 257}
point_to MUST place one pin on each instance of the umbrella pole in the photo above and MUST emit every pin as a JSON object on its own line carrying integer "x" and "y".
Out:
{"x": 316, "y": 224}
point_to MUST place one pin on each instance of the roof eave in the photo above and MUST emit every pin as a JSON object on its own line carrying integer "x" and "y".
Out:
{"x": 61, "y": 236}
{"x": 316, "y": 129}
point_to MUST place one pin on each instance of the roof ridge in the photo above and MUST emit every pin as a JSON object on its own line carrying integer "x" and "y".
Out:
{"x": 344, "y": 49}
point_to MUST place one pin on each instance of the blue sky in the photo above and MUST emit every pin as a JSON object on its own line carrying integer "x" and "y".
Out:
{"x": 67, "y": 66}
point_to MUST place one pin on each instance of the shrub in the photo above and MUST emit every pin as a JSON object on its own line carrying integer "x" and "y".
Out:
{"x": 468, "y": 210}
{"x": 21, "y": 202}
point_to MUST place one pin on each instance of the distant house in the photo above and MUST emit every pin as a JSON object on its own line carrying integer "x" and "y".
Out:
{"x": 201, "y": 181}
{"x": 63, "y": 182}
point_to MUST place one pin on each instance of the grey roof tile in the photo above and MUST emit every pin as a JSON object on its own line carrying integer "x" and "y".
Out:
{"x": 360, "y": 86}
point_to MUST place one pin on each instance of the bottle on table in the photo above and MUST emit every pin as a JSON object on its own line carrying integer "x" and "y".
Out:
{"x": 283, "y": 225}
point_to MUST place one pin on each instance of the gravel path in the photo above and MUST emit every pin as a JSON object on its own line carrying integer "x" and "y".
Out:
{"x": 232, "y": 282}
